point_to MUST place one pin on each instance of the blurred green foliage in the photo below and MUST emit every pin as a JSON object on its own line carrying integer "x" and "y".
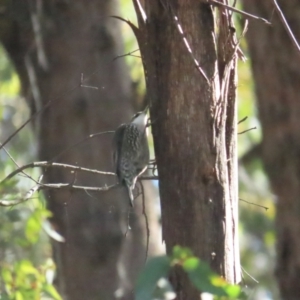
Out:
{"x": 26, "y": 268}
{"x": 10, "y": 84}
{"x": 23, "y": 281}
{"x": 149, "y": 285}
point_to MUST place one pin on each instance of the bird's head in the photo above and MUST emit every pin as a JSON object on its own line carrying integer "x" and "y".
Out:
{"x": 140, "y": 118}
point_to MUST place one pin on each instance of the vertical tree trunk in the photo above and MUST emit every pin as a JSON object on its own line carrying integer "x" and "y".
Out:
{"x": 275, "y": 64}
{"x": 71, "y": 41}
{"x": 194, "y": 130}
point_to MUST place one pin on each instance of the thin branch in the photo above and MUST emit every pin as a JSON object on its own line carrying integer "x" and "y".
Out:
{"x": 249, "y": 275}
{"x": 240, "y": 52}
{"x": 48, "y": 164}
{"x": 247, "y": 130}
{"x": 16, "y": 164}
{"x": 219, "y": 4}
{"x": 68, "y": 186}
{"x": 86, "y": 86}
{"x": 243, "y": 120}
{"x": 139, "y": 10}
{"x": 286, "y": 25}
{"x": 90, "y": 195}
{"x": 128, "y": 54}
{"x": 26, "y": 197}
{"x": 24, "y": 124}
{"x": 135, "y": 29}
{"x": 266, "y": 208}
{"x": 80, "y": 142}
{"x": 77, "y": 187}
{"x": 33, "y": 116}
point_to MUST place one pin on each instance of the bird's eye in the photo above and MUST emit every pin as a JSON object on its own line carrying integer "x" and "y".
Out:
{"x": 136, "y": 115}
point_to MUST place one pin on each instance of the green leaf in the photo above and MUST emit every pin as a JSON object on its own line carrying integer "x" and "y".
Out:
{"x": 50, "y": 290}
{"x": 200, "y": 274}
{"x": 233, "y": 291}
{"x": 19, "y": 296}
{"x": 26, "y": 267}
{"x": 191, "y": 264}
{"x": 33, "y": 227}
{"x": 156, "y": 268}
{"x": 4, "y": 297}
{"x": 164, "y": 290}
{"x": 205, "y": 280}
{"x": 181, "y": 253}
{"x": 6, "y": 275}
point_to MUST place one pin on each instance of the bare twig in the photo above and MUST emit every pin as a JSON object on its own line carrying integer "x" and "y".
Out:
{"x": 77, "y": 187}
{"x": 80, "y": 142}
{"x": 41, "y": 110}
{"x": 247, "y": 130}
{"x": 87, "y": 86}
{"x": 68, "y": 186}
{"x": 26, "y": 197}
{"x": 286, "y": 25}
{"x": 217, "y": 3}
{"x": 240, "y": 52}
{"x": 266, "y": 208}
{"x": 90, "y": 195}
{"x": 128, "y": 54}
{"x": 135, "y": 29}
{"x": 48, "y": 164}
{"x": 141, "y": 15}
{"x": 24, "y": 124}
{"x": 249, "y": 275}
{"x": 16, "y": 164}
{"x": 243, "y": 120}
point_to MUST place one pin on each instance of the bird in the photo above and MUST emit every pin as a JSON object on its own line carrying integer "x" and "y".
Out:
{"x": 131, "y": 151}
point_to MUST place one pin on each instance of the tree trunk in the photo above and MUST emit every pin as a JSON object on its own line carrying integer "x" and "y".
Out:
{"x": 194, "y": 130}
{"x": 275, "y": 64}
{"x": 54, "y": 45}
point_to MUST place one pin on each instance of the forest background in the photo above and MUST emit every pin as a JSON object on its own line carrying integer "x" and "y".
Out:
{"x": 25, "y": 229}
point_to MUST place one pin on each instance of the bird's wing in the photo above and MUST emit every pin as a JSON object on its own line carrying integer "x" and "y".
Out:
{"x": 117, "y": 144}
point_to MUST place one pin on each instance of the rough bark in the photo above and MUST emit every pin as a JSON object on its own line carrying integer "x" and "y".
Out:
{"x": 275, "y": 64}
{"x": 194, "y": 130}
{"x": 52, "y": 44}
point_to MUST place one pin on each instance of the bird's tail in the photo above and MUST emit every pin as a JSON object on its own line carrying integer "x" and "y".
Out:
{"x": 130, "y": 194}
